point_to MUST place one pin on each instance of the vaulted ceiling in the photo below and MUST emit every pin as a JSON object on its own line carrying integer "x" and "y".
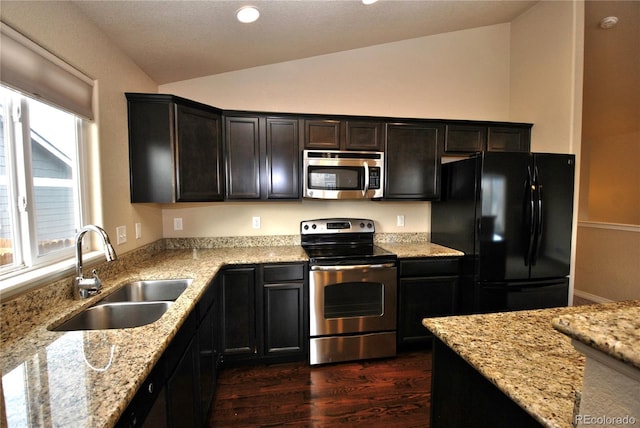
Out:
{"x": 173, "y": 40}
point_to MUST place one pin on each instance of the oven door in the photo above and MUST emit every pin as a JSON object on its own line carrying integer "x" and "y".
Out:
{"x": 349, "y": 299}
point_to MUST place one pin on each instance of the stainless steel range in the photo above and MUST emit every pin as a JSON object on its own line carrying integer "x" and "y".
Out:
{"x": 352, "y": 291}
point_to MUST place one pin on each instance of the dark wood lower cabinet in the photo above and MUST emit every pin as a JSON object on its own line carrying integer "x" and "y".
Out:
{"x": 428, "y": 287}
{"x": 263, "y": 313}
{"x": 462, "y": 397}
{"x": 182, "y": 390}
{"x": 238, "y": 340}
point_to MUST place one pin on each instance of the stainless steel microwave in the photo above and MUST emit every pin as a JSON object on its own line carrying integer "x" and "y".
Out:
{"x": 336, "y": 174}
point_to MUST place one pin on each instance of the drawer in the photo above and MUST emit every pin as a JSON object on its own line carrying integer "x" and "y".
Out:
{"x": 283, "y": 272}
{"x": 429, "y": 266}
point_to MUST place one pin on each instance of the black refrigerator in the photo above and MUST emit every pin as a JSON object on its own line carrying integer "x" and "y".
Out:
{"x": 511, "y": 214}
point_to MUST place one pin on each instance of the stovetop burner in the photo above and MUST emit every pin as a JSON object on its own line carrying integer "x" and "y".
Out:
{"x": 341, "y": 241}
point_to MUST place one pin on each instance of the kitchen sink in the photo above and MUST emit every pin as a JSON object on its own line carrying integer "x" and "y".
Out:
{"x": 148, "y": 291}
{"x": 132, "y": 305}
{"x": 116, "y": 315}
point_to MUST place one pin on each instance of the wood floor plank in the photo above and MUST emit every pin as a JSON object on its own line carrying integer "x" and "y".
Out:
{"x": 392, "y": 392}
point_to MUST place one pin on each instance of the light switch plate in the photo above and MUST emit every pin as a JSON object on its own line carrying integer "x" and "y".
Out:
{"x": 400, "y": 220}
{"x": 255, "y": 222}
{"x": 138, "y": 230}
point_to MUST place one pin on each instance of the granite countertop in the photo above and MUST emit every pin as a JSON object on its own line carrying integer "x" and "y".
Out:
{"x": 419, "y": 249}
{"x": 616, "y": 333}
{"x": 87, "y": 378}
{"x": 525, "y": 357}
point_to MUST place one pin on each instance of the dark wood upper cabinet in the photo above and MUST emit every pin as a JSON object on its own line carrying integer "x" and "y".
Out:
{"x": 282, "y": 158}
{"x": 412, "y": 160}
{"x": 343, "y": 134}
{"x": 365, "y": 135}
{"x": 242, "y": 157}
{"x": 322, "y": 134}
{"x": 262, "y": 157}
{"x": 509, "y": 138}
{"x": 482, "y": 136}
{"x": 465, "y": 138}
{"x": 175, "y": 150}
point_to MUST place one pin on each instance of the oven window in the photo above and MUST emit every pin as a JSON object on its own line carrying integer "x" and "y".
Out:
{"x": 353, "y": 299}
{"x": 336, "y": 178}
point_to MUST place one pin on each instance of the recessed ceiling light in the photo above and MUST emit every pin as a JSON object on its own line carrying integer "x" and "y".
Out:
{"x": 248, "y": 14}
{"x": 369, "y": 1}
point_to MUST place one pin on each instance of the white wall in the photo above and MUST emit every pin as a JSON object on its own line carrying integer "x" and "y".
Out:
{"x": 458, "y": 75}
{"x": 546, "y": 74}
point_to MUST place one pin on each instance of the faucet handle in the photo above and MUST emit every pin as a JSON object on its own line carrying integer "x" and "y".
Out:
{"x": 96, "y": 279}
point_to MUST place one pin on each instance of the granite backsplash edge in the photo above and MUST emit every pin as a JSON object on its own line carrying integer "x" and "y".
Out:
{"x": 28, "y": 306}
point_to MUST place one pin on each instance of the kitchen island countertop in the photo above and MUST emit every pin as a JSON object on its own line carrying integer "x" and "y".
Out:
{"x": 526, "y": 358}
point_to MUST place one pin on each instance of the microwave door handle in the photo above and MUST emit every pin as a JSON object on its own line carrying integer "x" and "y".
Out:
{"x": 366, "y": 179}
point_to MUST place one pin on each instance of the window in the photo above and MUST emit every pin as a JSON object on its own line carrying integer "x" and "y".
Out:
{"x": 40, "y": 206}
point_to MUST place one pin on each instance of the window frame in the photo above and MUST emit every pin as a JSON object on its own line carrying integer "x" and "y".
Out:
{"x": 22, "y": 192}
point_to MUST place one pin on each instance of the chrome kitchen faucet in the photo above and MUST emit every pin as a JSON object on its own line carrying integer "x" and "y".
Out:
{"x": 87, "y": 287}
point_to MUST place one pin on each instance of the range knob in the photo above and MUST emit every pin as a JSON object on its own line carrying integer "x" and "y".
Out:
{"x": 370, "y": 225}
{"x": 305, "y": 227}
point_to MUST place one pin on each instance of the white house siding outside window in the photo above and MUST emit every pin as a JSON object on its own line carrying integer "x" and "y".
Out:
{"x": 40, "y": 207}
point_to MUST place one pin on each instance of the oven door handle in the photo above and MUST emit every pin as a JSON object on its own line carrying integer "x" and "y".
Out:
{"x": 353, "y": 267}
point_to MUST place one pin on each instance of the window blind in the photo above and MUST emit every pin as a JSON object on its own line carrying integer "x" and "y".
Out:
{"x": 31, "y": 69}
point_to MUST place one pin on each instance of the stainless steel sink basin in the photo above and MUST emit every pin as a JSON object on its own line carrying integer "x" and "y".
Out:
{"x": 132, "y": 305}
{"x": 116, "y": 315}
{"x": 148, "y": 291}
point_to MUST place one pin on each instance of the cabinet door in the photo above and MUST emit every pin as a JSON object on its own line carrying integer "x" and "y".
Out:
{"x": 412, "y": 161}
{"x": 283, "y": 159}
{"x": 322, "y": 134}
{"x": 208, "y": 356}
{"x": 363, "y": 136}
{"x": 465, "y": 139}
{"x": 242, "y": 157}
{"x": 422, "y": 298}
{"x": 284, "y": 320}
{"x": 238, "y": 305}
{"x": 151, "y": 150}
{"x": 182, "y": 391}
{"x": 509, "y": 139}
{"x": 199, "y": 164}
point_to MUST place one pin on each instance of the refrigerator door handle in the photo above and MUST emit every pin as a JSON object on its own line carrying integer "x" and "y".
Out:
{"x": 530, "y": 223}
{"x": 538, "y": 215}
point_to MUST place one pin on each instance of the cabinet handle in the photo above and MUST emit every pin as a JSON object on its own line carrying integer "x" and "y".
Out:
{"x": 150, "y": 388}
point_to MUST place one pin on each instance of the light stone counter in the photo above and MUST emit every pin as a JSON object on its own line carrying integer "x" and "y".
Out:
{"x": 610, "y": 341}
{"x": 524, "y": 356}
{"x": 419, "y": 249}
{"x": 616, "y": 333}
{"x": 87, "y": 378}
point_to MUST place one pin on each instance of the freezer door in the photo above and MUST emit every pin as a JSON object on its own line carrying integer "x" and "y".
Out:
{"x": 551, "y": 256}
{"x": 498, "y": 297}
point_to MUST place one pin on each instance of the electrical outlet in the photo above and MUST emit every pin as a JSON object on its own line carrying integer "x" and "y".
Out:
{"x": 400, "y": 220}
{"x": 121, "y": 234}
{"x": 255, "y": 222}
{"x": 177, "y": 223}
{"x": 138, "y": 230}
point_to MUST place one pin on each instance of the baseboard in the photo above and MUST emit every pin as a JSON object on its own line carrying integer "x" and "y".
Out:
{"x": 591, "y": 297}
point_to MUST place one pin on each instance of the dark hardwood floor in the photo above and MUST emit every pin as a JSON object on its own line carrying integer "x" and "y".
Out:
{"x": 389, "y": 393}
